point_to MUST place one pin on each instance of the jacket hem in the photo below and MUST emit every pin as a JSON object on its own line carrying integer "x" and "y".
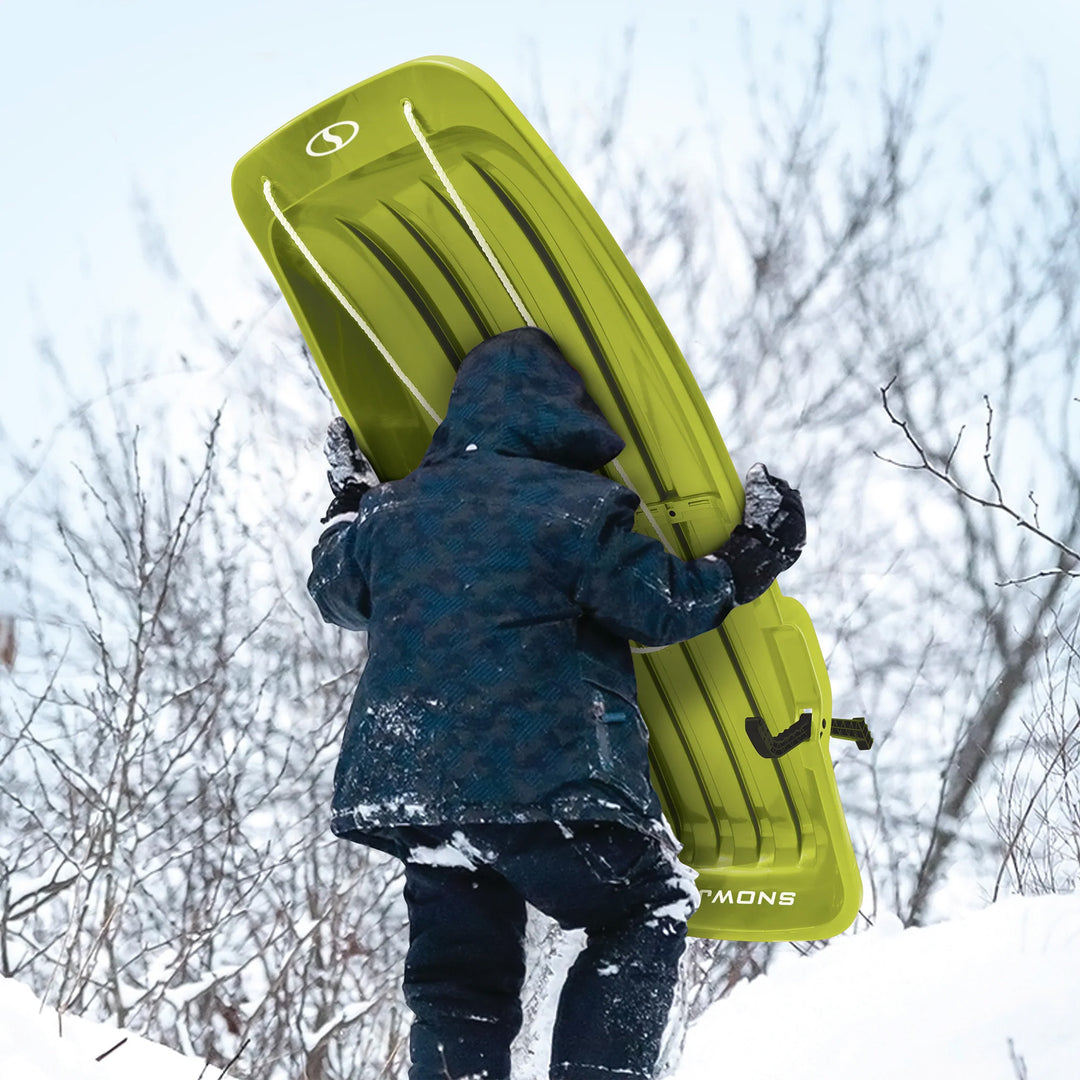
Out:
{"x": 364, "y": 824}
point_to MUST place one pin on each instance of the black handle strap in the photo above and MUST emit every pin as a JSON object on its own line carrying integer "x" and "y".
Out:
{"x": 768, "y": 745}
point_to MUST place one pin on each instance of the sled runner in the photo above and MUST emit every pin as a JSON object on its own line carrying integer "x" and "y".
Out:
{"x": 417, "y": 214}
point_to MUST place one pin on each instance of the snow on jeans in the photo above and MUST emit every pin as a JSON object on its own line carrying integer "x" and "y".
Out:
{"x": 466, "y": 889}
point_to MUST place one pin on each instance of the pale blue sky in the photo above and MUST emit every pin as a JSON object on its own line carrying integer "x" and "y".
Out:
{"x": 100, "y": 97}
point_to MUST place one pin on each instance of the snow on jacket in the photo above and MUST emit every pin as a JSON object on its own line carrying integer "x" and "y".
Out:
{"x": 500, "y": 583}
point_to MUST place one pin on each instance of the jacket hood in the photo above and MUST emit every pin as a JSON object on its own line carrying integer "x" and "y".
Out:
{"x": 516, "y": 394}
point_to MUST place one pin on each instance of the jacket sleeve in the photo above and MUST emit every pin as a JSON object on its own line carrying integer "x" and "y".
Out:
{"x": 636, "y": 589}
{"x": 337, "y": 583}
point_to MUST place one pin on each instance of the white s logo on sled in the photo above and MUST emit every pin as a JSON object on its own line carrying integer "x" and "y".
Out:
{"x": 328, "y": 141}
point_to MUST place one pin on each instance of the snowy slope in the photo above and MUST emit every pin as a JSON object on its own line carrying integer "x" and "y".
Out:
{"x": 992, "y": 996}
{"x": 32, "y": 1049}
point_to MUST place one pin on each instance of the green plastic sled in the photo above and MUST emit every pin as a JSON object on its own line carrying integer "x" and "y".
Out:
{"x": 350, "y": 214}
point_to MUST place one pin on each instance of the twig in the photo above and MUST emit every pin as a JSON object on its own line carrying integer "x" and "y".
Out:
{"x": 945, "y": 475}
{"x": 1010, "y": 848}
{"x": 234, "y": 1059}
{"x": 102, "y": 1057}
{"x": 1018, "y": 1063}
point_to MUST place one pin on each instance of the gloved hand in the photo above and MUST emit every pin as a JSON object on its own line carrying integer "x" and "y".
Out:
{"x": 770, "y": 538}
{"x": 350, "y": 474}
{"x": 775, "y": 507}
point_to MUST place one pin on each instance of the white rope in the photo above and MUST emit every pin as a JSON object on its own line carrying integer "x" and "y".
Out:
{"x": 341, "y": 298}
{"x": 440, "y": 172}
{"x": 463, "y": 210}
{"x": 644, "y": 507}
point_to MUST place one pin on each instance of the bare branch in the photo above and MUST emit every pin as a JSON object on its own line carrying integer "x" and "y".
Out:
{"x": 928, "y": 462}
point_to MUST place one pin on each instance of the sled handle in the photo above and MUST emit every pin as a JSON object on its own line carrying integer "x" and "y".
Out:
{"x": 768, "y": 745}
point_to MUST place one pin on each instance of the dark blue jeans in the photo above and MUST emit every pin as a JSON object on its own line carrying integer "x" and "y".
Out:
{"x": 466, "y": 889}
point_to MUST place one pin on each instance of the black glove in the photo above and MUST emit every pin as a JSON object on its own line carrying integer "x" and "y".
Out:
{"x": 776, "y": 508}
{"x": 350, "y": 474}
{"x": 770, "y": 538}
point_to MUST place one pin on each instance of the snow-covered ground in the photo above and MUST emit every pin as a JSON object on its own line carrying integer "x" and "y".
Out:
{"x": 36, "y": 1044}
{"x": 992, "y": 996}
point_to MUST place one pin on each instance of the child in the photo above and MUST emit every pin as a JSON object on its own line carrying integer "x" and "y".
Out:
{"x": 494, "y": 743}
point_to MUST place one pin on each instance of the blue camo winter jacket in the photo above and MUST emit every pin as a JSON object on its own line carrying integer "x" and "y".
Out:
{"x": 500, "y": 584}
